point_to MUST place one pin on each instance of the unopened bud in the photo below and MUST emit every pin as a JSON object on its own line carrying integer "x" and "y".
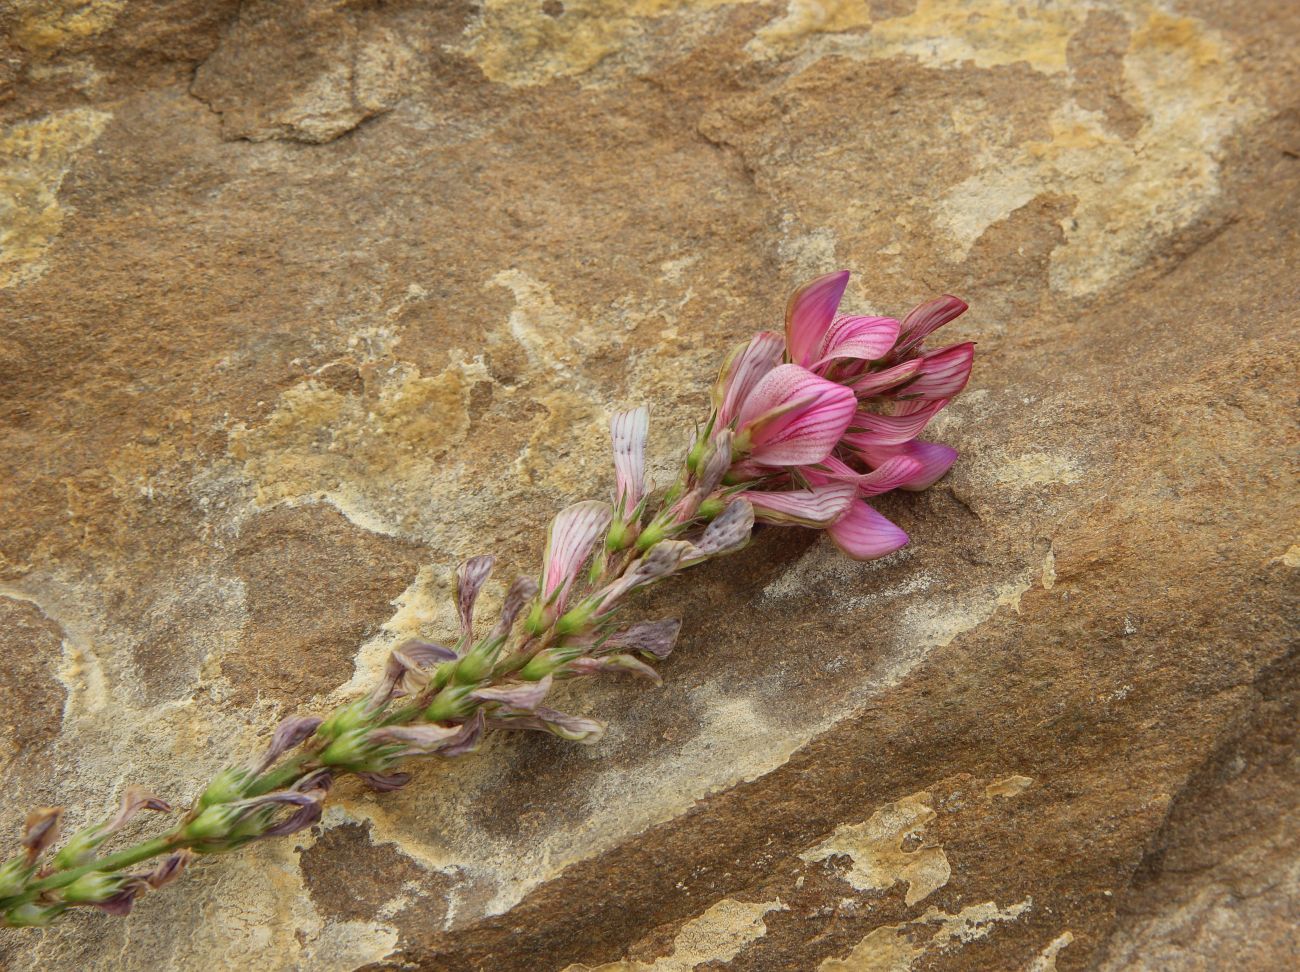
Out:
{"x": 539, "y": 619}
{"x": 616, "y": 538}
{"x": 577, "y": 618}
{"x": 41, "y": 830}
{"x": 352, "y": 748}
{"x": 711, "y": 508}
{"x": 14, "y": 874}
{"x": 699, "y": 453}
{"x": 346, "y": 718}
{"x": 94, "y": 888}
{"x": 32, "y": 915}
{"x": 451, "y": 703}
{"x": 650, "y": 536}
{"x": 214, "y": 823}
{"x": 540, "y": 665}
{"x": 230, "y": 784}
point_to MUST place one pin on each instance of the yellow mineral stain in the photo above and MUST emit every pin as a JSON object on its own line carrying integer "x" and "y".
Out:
{"x": 35, "y": 156}
{"x": 880, "y": 853}
{"x": 896, "y": 948}
{"x": 1180, "y": 76}
{"x": 520, "y": 44}
{"x": 716, "y": 935}
{"x": 938, "y": 33}
{"x": 1008, "y": 786}
{"x": 1292, "y": 556}
{"x": 362, "y": 453}
{"x": 46, "y": 25}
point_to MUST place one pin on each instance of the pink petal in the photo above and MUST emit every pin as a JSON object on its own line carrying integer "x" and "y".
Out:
{"x": 876, "y": 430}
{"x": 876, "y": 382}
{"x": 817, "y": 507}
{"x": 573, "y": 532}
{"x": 794, "y": 417}
{"x": 628, "y": 432}
{"x": 866, "y": 338}
{"x": 925, "y": 319}
{"x": 943, "y": 373}
{"x": 933, "y": 461}
{"x": 742, "y": 371}
{"x": 864, "y": 534}
{"x": 810, "y": 312}
{"x": 890, "y": 474}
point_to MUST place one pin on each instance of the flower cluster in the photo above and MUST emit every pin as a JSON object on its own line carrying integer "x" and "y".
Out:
{"x": 830, "y": 415}
{"x": 803, "y": 430}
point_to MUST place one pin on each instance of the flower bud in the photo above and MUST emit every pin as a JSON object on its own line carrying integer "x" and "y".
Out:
{"x": 346, "y": 718}
{"x": 577, "y": 618}
{"x": 711, "y": 508}
{"x": 214, "y": 823}
{"x": 450, "y": 703}
{"x": 352, "y": 748}
{"x": 32, "y": 915}
{"x": 14, "y": 874}
{"x": 540, "y": 665}
{"x": 230, "y": 784}
{"x": 539, "y": 619}
{"x": 616, "y": 538}
{"x": 650, "y": 536}
{"x": 95, "y": 887}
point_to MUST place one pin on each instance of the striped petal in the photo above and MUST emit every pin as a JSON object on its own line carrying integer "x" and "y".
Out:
{"x": 809, "y": 314}
{"x": 924, "y": 319}
{"x": 628, "y": 432}
{"x": 932, "y": 459}
{"x": 742, "y": 370}
{"x": 864, "y": 534}
{"x": 794, "y": 417}
{"x": 573, "y": 533}
{"x": 470, "y": 577}
{"x": 817, "y": 507}
{"x": 893, "y": 473}
{"x": 942, "y": 373}
{"x": 866, "y": 338}
{"x": 870, "y": 429}
{"x": 649, "y": 637}
{"x": 879, "y": 382}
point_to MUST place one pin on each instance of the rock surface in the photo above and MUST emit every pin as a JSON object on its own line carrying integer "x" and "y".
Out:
{"x": 306, "y": 301}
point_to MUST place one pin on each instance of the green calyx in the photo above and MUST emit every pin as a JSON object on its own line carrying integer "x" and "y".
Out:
{"x": 228, "y": 785}
{"x": 93, "y": 888}
{"x": 451, "y": 703}
{"x": 32, "y": 915}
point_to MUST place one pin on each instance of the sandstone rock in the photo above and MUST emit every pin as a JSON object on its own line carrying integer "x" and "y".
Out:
{"x": 305, "y": 302}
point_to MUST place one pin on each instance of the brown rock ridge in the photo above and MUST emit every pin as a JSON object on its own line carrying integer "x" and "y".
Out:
{"x": 305, "y": 302}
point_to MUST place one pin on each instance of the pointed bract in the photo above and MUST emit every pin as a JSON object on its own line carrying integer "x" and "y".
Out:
{"x": 523, "y": 696}
{"x": 523, "y": 590}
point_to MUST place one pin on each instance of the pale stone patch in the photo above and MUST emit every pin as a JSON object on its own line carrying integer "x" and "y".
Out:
{"x": 894, "y": 948}
{"x": 878, "y": 850}
{"x": 1008, "y": 786}
{"x": 1045, "y": 961}
{"x": 717, "y": 935}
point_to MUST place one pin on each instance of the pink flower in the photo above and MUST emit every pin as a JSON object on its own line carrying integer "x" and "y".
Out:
{"x": 839, "y": 420}
{"x": 792, "y": 417}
